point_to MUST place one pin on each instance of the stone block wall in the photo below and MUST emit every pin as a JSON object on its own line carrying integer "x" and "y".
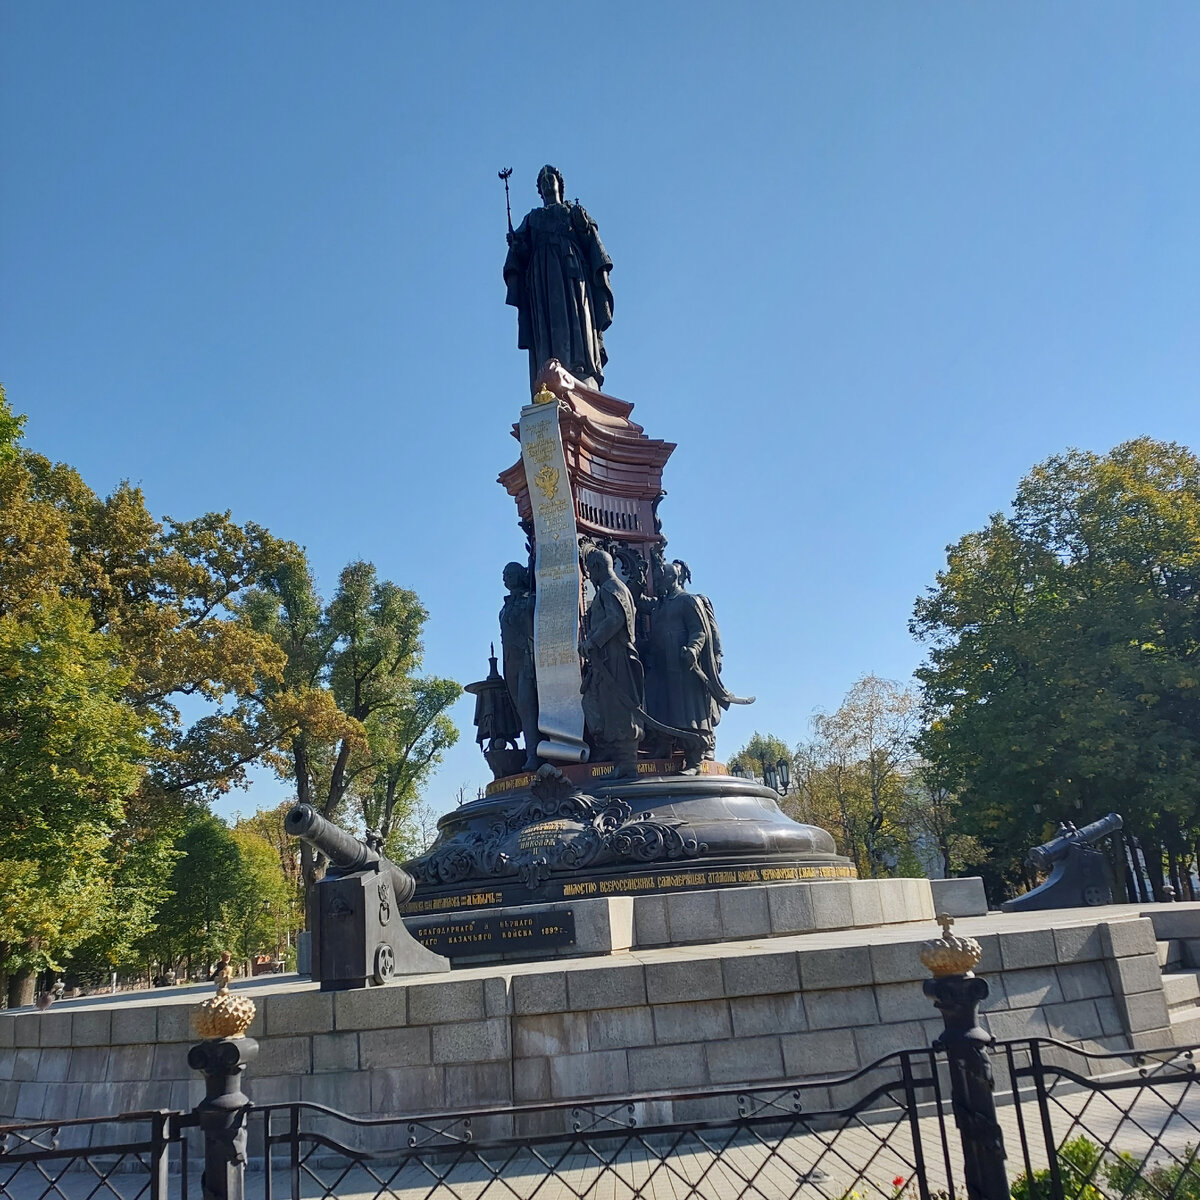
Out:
{"x": 737, "y": 914}
{"x": 604, "y": 924}
{"x": 643, "y": 1022}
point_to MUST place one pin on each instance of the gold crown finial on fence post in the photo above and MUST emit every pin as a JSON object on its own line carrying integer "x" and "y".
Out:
{"x": 950, "y": 954}
{"x": 227, "y": 1014}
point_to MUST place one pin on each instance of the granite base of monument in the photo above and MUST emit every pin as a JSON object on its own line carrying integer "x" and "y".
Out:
{"x": 612, "y": 924}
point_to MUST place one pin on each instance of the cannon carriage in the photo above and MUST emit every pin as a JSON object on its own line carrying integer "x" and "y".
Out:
{"x": 359, "y": 936}
{"x": 1079, "y": 873}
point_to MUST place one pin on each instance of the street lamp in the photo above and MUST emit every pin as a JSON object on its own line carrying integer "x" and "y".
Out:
{"x": 785, "y": 776}
{"x": 778, "y": 776}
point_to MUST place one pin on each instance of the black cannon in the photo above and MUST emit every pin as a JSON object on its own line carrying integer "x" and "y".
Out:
{"x": 359, "y": 936}
{"x": 1079, "y": 873}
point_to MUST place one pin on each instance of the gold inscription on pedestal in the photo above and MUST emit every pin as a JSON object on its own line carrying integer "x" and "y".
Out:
{"x": 697, "y": 879}
{"x": 443, "y": 903}
{"x": 628, "y": 884}
{"x": 541, "y": 835}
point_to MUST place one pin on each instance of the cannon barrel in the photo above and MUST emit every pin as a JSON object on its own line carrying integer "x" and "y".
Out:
{"x": 344, "y": 850}
{"x": 1043, "y": 856}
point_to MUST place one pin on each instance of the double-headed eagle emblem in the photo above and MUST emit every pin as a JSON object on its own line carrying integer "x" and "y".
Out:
{"x": 547, "y": 481}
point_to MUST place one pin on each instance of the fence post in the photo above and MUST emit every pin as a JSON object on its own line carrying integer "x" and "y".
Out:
{"x": 222, "y": 1056}
{"x": 956, "y": 992}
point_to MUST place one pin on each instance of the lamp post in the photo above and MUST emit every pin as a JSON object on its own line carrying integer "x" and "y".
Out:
{"x": 778, "y": 776}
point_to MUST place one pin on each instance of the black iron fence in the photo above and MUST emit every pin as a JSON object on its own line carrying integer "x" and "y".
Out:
{"x": 121, "y": 1157}
{"x": 1075, "y": 1126}
{"x": 861, "y": 1133}
{"x": 1090, "y": 1126}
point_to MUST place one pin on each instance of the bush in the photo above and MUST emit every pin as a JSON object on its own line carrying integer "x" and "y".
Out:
{"x": 1127, "y": 1176}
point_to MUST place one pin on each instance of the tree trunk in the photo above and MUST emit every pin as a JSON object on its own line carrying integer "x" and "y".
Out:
{"x": 1141, "y": 866}
{"x": 21, "y": 986}
{"x": 1144, "y": 895}
{"x": 1152, "y": 853}
{"x": 1131, "y": 893}
{"x": 337, "y": 780}
{"x": 1122, "y": 869}
{"x": 1173, "y": 870}
{"x": 1133, "y": 878}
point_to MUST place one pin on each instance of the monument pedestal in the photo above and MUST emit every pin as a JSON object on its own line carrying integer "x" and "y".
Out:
{"x": 546, "y": 837}
{"x": 589, "y": 480}
{"x": 602, "y": 925}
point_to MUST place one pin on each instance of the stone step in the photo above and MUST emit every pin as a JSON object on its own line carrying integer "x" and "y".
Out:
{"x": 1185, "y": 1026}
{"x": 1170, "y": 954}
{"x": 1181, "y": 988}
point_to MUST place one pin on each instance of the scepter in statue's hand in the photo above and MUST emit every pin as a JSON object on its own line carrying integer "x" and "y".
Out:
{"x": 507, "y": 206}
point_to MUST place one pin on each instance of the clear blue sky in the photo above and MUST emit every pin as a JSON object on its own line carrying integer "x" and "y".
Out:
{"x": 872, "y": 262}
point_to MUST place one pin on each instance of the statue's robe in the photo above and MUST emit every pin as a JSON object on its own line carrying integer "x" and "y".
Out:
{"x": 678, "y": 694}
{"x": 612, "y": 695}
{"x": 557, "y": 277}
{"x": 516, "y": 645}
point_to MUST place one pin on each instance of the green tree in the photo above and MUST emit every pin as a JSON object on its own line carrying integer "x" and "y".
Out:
{"x": 372, "y": 729}
{"x": 227, "y": 891}
{"x": 853, "y": 775}
{"x": 263, "y": 903}
{"x": 11, "y": 426}
{"x": 1064, "y": 644}
{"x": 167, "y": 593}
{"x": 177, "y": 610}
{"x": 267, "y": 826}
{"x": 933, "y": 819}
{"x": 165, "y": 597}
{"x": 761, "y": 751}
{"x": 69, "y": 750}
{"x": 141, "y": 859}
{"x": 204, "y": 889}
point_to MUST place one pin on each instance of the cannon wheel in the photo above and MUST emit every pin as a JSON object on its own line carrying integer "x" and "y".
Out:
{"x": 385, "y": 963}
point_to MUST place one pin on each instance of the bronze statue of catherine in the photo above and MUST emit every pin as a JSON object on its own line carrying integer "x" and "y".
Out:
{"x": 557, "y": 278}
